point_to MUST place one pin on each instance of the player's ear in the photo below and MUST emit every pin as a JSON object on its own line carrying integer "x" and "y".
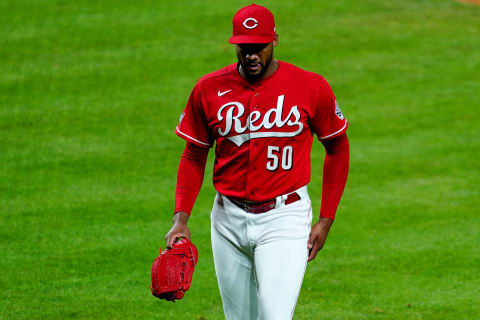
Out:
{"x": 275, "y": 41}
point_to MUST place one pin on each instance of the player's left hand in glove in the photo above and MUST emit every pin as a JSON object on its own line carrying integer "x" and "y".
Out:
{"x": 172, "y": 270}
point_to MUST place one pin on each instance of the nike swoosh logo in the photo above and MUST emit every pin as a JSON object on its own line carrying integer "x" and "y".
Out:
{"x": 222, "y": 93}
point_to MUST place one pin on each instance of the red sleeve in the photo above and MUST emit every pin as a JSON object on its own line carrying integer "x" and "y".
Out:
{"x": 335, "y": 172}
{"x": 193, "y": 125}
{"x": 328, "y": 121}
{"x": 190, "y": 176}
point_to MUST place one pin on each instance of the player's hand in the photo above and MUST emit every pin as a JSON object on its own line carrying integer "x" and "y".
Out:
{"x": 317, "y": 237}
{"x": 179, "y": 229}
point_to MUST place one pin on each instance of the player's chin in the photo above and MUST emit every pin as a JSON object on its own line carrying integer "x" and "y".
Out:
{"x": 254, "y": 72}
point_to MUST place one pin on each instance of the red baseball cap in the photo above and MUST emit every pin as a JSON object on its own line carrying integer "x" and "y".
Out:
{"x": 253, "y": 24}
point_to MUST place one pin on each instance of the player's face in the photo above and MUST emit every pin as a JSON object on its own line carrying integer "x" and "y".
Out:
{"x": 255, "y": 58}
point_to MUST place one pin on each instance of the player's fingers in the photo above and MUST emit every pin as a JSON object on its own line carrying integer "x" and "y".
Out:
{"x": 174, "y": 238}
{"x": 186, "y": 234}
{"x": 311, "y": 240}
{"x": 171, "y": 240}
{"x": 313, "y": 251}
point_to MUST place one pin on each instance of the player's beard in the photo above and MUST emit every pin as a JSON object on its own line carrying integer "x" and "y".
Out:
{"x": 262, "y": 68}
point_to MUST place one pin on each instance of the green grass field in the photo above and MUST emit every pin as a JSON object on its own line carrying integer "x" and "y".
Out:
{"x": 90, "y": 94}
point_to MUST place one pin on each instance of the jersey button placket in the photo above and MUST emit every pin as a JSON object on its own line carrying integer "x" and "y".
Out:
{"x": 251, "y": 153}
{"x": 251, "y": 167}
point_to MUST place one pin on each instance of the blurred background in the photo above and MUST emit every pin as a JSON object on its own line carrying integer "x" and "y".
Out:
{"x": 90, "y": 95}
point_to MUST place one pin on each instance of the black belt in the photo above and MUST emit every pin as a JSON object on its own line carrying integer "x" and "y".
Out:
{"x": 261, "y": 207}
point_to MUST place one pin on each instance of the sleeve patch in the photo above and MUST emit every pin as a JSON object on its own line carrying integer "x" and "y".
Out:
{"x": 338, "y": 112}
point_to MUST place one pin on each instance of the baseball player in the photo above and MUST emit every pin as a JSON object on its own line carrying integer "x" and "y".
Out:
{"x": 261, "y": 115}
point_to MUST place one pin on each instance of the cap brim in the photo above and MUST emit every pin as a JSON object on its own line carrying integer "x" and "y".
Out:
{"x": 251, "y": 39}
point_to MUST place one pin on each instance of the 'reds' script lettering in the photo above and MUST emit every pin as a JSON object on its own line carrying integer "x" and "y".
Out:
{"x": 233, "y": 111}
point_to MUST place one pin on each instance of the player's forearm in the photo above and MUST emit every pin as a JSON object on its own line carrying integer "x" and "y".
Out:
{"x": 190, "y": 175}
{"x": 335, "y": 172}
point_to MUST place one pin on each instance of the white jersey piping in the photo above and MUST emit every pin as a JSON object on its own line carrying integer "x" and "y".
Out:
{"x": 186, "y": 135}
{"x": 334, "y": 132}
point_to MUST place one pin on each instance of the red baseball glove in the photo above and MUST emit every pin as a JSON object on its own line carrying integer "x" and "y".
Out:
{"x": 172, "y": 270}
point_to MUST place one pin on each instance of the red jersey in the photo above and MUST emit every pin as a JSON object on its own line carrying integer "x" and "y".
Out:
{"x": 263, "y": 130}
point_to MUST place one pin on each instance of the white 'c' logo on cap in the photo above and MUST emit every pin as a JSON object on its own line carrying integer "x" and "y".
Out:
{"x": 251, "y": 26}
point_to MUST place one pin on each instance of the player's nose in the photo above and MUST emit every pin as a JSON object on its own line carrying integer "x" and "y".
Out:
{"x": 251, "y": 56}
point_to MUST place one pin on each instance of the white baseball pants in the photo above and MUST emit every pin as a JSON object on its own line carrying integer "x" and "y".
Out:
{"x": 260, "y": 259}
